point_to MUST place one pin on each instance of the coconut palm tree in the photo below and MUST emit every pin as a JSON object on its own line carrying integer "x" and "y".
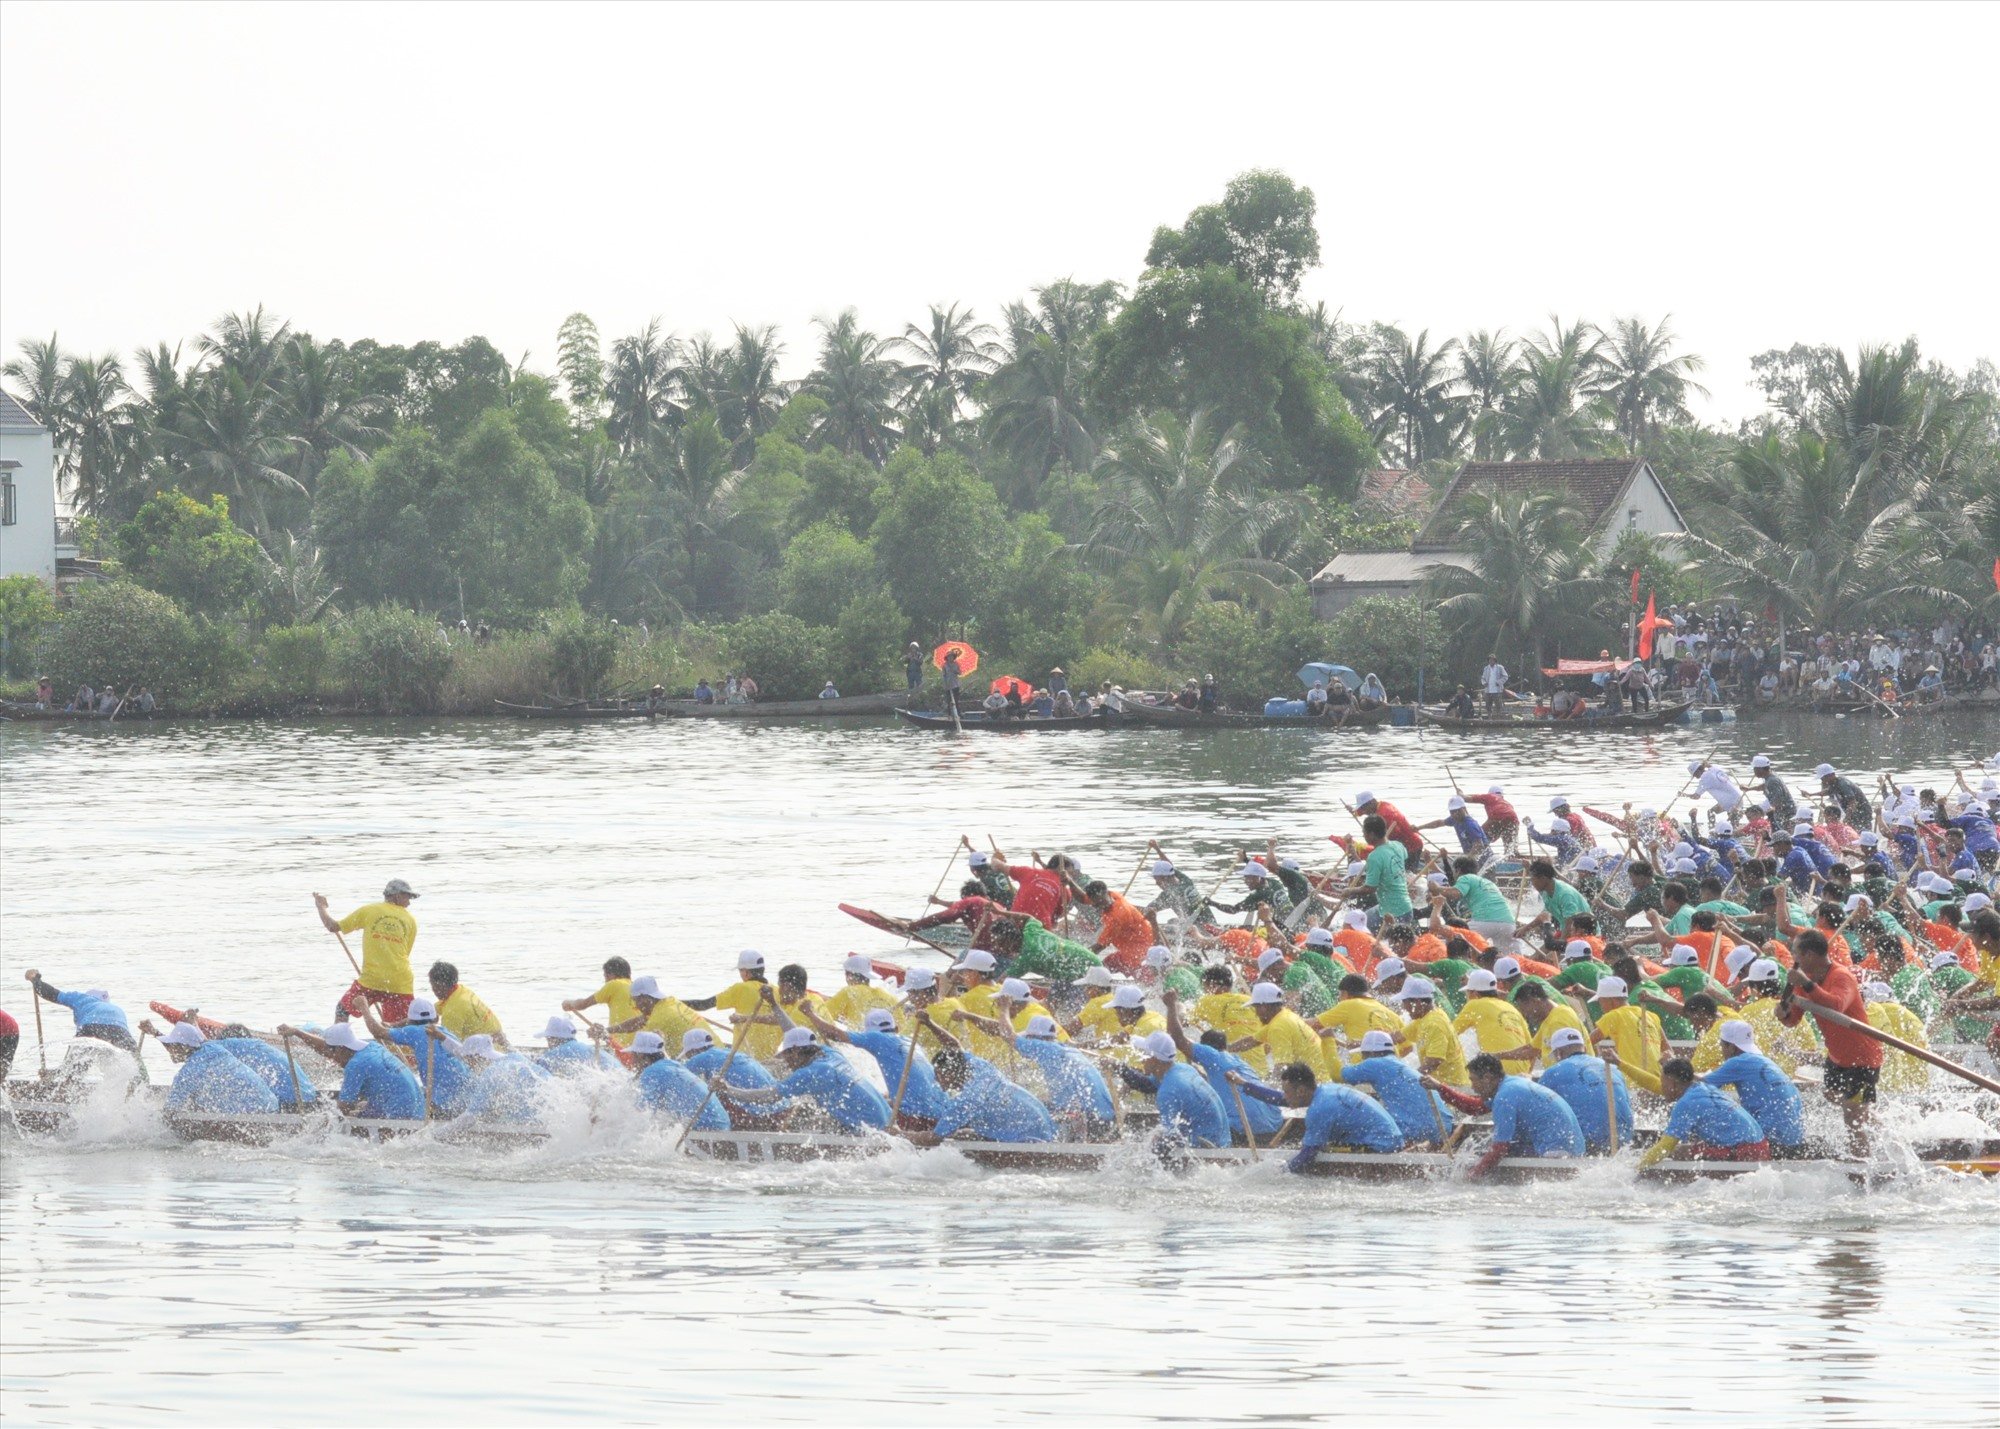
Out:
{"x": 949, "y": 358}
{"x": 751, "y": 393}
{"x": 641, "y": 386}
{"x": 321, "y": 408}
{"x": 251, "y": 344}
{"x": 1180, "y": 519}
{"x": 857, "y": 379}
{"x": 1644, "y": 383}
{"x": 228, "y": 445}
{"x": 100, "y": 428}
{"x": 696, "y": 479}
{"x": 1034, "y": 405}
{"x": 1486, "y": 374}
{"x": 1556, "y": 409}
{"x": 296, "y": 584}
{"x": 1533, "y": 580}
{"x": 37, "y": 375}
{"x": 1410, "y": 391}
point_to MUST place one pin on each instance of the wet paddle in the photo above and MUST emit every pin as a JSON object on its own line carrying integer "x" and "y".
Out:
{"x": 1922, "y": 1054}
{"x": 903, "y": 1081}
{"x": 41, "y": 1044}
{"x": 1610, "y": 1108}
{"x": 1243, "y": 1116}
{"x": 722, "y": 1073}
{"x": 298, "y": 1087}
{"x": 949, "y": 864}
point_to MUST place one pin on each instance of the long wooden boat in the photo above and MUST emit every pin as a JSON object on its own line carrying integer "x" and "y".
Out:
{"x": 1595, "y": 719}
{"x": 1174, "y": 717}
{"x": 28, "y": 714}
{"x": 582, "y": 710}
{"x": 981, "y": 722}
{"x": 845, "y": 706}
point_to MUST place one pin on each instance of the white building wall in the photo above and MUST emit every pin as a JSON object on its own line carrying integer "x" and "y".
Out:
{"x": 1644, "y": 508}
{"x": 28, "y": 546}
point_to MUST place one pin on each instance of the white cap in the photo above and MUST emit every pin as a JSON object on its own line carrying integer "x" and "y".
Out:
{"x": 1576, "y": 950}
{"x": 1695, "y": 766}
{"x": 1903, "y": 821}
{"x": 878, "y": 1019}
{"x": 1761, "y": 761}
{"x": 1738, "y": 1033}
{"x": 1319, "y": 938}
{"x": 1162, "y": 868}
{"x": 1823, "y": 770}
{"x": 1495, "y": 791}
{"x": 1682, "y": 956}
{"x": 1740, "y": 957}
{"x": 1802, "y": 828}
{"x": 1454, "y": 803}
{"x": 977, "y": 859}
{"x": 919, "y": 979}
{"x": 1363, "y": 796}
{"x": 858, "y": 965}
{"x": 1587, "y": 864}
{"x": 1129, "y": 996}
{"x": 749, "y": 960}
{"x": 422, "y": 1010}
{"x": 650, "y": 986}
{"x": 1158, "y": 1046}
{"x": 480, "y": 1045}
{"x": 1565, "y": 1038}
{"x": 1723, "y": 826}
{"x": 1877, "y": 991}
{"x": 1418, "y": 989}
{"x": 1480, "y": 980}
{"x": 1265, "y": 993}
{"x": 1504, "y": 968}
{"x": 1290, "y": 863}
{"x": 559, "y": 1029}
{"x": 1355, "y": 918}
{"x": 1040, "y": 1026}
{"x": 797, "y": 1037}
{"x": 1561, "y": 801}
{"x": 1943, "y": 959}
{"x": 1607, "y": 986}
{"x": 1857, "y": 901}
{"x": 1159, "y": 956}
{"x": 1928, "y": 882}
{"x": 1435, "y": 880}
{"x": 183, "y": 1034}
{"x": 1355, "y": 870}
{"x": 695, "y": 1039}
{"x": 1098, "y": 976}
{"x": 649, "y": 1044}
{"x": 1016, "y": 990}
{"x": 1763, "y": 970}
{"x": 1254, "y": 870}
{"x": 1683, "y": 849}
{"x": 1685, "y": 866}
{"x": 1976, "y": 903}
{"x": 1388, "y": 968}
{"x": 1376, "y": 1040}
{"x": 978, "y": 960}
{"x": 341, "y": 1034}
{"x": 1646, "y": 812}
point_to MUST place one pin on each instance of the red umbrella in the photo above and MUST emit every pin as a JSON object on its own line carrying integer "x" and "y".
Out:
{"x": 968, "y": 658}
{"x": 1014, "y": 684}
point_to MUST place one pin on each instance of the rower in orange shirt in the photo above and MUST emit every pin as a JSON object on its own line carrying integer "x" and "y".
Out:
{"x": 1123, "y": 929}
{"x": 1356, "y": 943}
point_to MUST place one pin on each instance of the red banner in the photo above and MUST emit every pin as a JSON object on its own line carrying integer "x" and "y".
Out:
{"x": 1647, "y": 626}
{"x": 1634, "y": 597}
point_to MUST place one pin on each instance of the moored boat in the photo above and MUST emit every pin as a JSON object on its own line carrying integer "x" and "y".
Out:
{"x": 579, "y": 710}
{"x": 853, "y": 706}
{"x": 982, "y": 722}
{"x": 1593, "y": 719}
{"x": 1171, "y": 716}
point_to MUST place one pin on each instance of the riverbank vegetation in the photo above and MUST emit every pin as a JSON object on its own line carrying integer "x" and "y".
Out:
{"x": 1134, "y": 483}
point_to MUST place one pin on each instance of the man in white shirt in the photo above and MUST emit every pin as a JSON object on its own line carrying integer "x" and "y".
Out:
{"x": 1493, "y": 683}
{"x": 1714, "y": 781}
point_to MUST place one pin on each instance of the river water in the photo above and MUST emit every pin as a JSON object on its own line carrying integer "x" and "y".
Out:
{"x": 603, "y": 1277}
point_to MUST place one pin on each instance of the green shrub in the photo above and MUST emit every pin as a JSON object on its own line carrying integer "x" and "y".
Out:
{"x": 1390, "y": 636}
{"x": 1121, "y": 667}
{"x": 192, "y": 553}
{"x": 121, "y": 634}
{"x": 788, "y": 658}
{"x": 393, "y": 659}
{"x": 296, "y": 658}
{"x": 26, "y": 608}
{"x": 582, "y": 651}
{"x": 868, "y": 644}
{"x": 514, "y": 666}
{"x": 823, "y": 569}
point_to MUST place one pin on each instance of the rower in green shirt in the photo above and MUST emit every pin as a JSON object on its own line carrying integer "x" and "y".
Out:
{"x": 1386, "y": 870}
{"x": 1580, "y": 969}
{"x": 1684, "y": 975}
{"x": 1058, "y": 959}
{"x": 1645, "y": 890}
{"x": 1560, "y": 902}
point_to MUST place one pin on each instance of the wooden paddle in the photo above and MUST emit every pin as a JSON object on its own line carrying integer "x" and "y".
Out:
{"x": 903, "y": 1081}
{"x": 722, "y": 1074}
{"x": 1145, "y": 858}
{"x": 1610, "y": 1108}
{"x": 950, "y": 863}
{"x": 1243, "y": 1115}
{"x": 1922, "y": 1054}
{"x": 41, "y": 1045}
{"x": 298, "y": 1088}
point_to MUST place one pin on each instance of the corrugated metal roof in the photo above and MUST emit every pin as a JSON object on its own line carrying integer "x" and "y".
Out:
{"x": 1388, "y": 567}
{"x": 15, "y": 418}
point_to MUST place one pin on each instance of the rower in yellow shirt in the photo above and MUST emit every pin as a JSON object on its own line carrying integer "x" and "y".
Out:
{"x": 744, "y": 998}
{"x": 858, "y": 996}
{"x": 1787, "y": 1046}
{"x": 1635, "y": 1033}
{"x": 1017, "y": 998}
{"x": 460, "y": 1010}
{"x": 615, "y": 997}
{"x": 1094, "y": 1017}
{"x": 1286, "y": 1036}
{"x": 1350, "y": 1018}
{"x": 1900, "y": 1071}
{"x": 1428, "y": 1033}
{"x": 1545, "y": 1017}
{"x": 977, "y": 994}
{"x": 654, "y": 1011}
{"x": 1498, "y": 1024}
{"x": 1130, "y": 1020}
{"x": 1229, "y": 1012}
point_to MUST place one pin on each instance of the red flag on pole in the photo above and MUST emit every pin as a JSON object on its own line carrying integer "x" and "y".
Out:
{"x": 1996, "y": 575}
{"x": 1647, "y": 626}
{"x": 1634, "y": 597}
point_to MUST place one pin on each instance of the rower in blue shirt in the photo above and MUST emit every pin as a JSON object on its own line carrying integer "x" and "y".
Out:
{"x": 701, "y": 1055}
{"x": 1705, "y": 1125}
{"x": 923, "y": 1100}
{"x": 374, "y": 1081}
{"x": 506, "y": 1086}
{"x": 1212, "y": 1055}
{"x": 566, "y": 1054}
{"x": 1578, "y": 1078}
{"x": 209, "y": 1079}
{"x": 1761, "y": 1086}
{"x": 1795, "y": 865}
{"x": 1336, "y": 1115}
{"x": 1076, "y": 1090}
{"x": 1909, "y": 851}
{"x": 442, "y": 1073}
{"x": 1528, "y": 1120}
{"x": 280, "y": 1073}
{"x": 1190, "y": 1111}
{"x": 978, "y": 1099}
{"x": 97, "y": 1016}
{"x": 822, "y": 1076}
{"x": 668, "y": 1087}
{"x": 1417, "y": 1112}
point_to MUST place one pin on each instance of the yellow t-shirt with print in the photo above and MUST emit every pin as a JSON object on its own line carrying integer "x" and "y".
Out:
{"x": 387, "y": 935}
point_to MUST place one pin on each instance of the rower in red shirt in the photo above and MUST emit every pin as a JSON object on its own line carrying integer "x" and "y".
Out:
{"x": 1400, "y": 829}
{"x": 1039, "y": 891}
{"x": 1502, "y": 823}
{"x": 1853, "y": 1059}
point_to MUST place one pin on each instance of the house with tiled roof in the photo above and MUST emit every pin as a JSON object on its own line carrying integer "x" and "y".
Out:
{"x": 1615, "y": 495}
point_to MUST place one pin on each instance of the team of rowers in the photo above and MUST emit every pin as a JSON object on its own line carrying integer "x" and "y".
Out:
{"x": 1381, "y": 1005}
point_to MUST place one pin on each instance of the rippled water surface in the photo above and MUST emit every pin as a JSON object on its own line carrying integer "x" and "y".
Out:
{"x": 605, "y": 1278}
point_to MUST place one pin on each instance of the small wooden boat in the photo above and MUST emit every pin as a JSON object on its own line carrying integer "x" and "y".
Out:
{"x": 29, "y": 714}
{"x": 982, "y": 722}
{"x": 1592, "y": 720}
{"x": 844, "y": 706}
{"x": 581, "y": 710}
{"x": 1170, "y": 716}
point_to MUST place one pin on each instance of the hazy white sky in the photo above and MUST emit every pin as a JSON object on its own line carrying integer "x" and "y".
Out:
{"x": 1818, "y": 173}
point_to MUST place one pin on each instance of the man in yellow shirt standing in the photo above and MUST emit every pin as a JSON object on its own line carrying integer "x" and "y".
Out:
{"x": 858, "y": 995}
{"x": 1428, "y": 1033}
{"x": 1498, "y": 1024}
{"x": 615, "y": 997}
{"x": 1635, "y": 1033}
{"x": 744, "y": 997}
{"x": 1285, "y": 1036}
{"x": 460, "y": 1010}
{"x": 388, "y": 931}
